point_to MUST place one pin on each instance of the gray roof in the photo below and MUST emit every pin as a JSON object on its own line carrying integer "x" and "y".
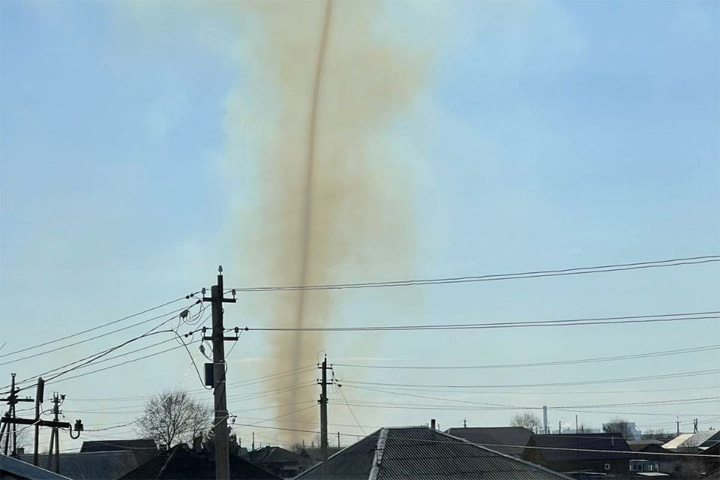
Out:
{"x": 115, "y": 445}
{"x": 689, "y": 440}
{"x": 19, "y": 469}
{"x": 424, "y": 454}
{"x": 508, "y": 440}
{"x": 92, "y": 465}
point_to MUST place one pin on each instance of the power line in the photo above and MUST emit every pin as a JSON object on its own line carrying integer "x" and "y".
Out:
{"x": 172, "y": 313}
{"x": 128, "y": 317}
{"x": 665, "y": 317}
{"x": 539, "y": 364}
{"x": 673, "y": 262}
{"x": 533, "y": 385}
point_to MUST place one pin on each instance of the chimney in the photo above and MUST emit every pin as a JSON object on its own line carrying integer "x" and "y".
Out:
{"x": 197, "y": 443}
{"x": 432, "y": 424}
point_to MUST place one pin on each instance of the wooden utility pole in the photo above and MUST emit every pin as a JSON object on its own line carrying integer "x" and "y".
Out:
{"x": 323, "y": 417}
{"x": 220, "y": 425}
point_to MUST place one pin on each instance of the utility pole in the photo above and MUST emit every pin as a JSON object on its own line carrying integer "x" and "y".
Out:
{"x": 695, "y": 426}
{"x": 55, "y": 435}
{"x": 576, "y": 425}
{"x": 559, "y": 427}
{"x": 10, "y": 419}
{"x": 338, "y": 439}
{"x": 10, "y": 422}
{"x": 677, "y": 422}
{"x": 39, "y": 394}
{"x": 220, "y": 425}
{"x": 323, "y": 417}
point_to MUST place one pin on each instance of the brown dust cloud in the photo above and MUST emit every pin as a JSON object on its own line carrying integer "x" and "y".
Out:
{"x": 316, "y": 118}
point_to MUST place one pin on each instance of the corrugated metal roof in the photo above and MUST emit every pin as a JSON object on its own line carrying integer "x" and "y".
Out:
{"x": 18, "y": 468}
{"x": 425, "y": 454}
{"x": 91, "y": 465}
{"x": 182, "y": 463}
{"x": 689, "y": 440}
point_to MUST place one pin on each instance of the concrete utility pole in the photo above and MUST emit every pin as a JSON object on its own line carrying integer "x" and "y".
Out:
{"x": 55, "y": 435}
{"x": 220, "y": 425}
{"x": 323, "y": 418}
{"x": 39, "y": 394}
{"x": 10, "y": 419}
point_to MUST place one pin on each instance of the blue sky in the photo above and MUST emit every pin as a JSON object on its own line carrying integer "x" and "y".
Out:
{"x": 548, "y": 134}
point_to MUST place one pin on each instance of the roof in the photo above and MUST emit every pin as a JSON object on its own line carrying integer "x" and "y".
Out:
{"x": 689, "y": 440}
{"x": 508, "y": 440}
{"x": 92, "y": 465}
{"x": 571, "y": 447}
{"x": 315, "y": 453}
{"x": 424, "y": 454}
{"x": 115, "y": 445}
{"x": 654, "y": 446}
{"x": 710, "y": 442}
{"x": 275, "y": 455}
{"x": 20, "y": 469}
{"x": 182, "y": 463}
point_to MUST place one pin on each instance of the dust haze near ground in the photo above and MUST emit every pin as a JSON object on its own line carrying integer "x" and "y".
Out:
{"x": 342, "y": 212}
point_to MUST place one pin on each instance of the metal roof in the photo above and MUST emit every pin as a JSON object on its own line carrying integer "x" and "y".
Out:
{"x": 689, "y": 440}
{"x": 182, "y": 463}
{"x": 18, "y": 468}
{"x": 424, "y": 454}
{"x": 91, "y": 465}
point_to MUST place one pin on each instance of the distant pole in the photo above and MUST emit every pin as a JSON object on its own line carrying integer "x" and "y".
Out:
{"x": 546, "y": 427}
{"x": 677, "y": 422}
{"x": 253, "y": 443}
{"x": 338, "y": 439}
{"x": 222, "y": 454}
{"x": 695, "y": 426}
{"x": 576, "y": 425}
{"x": 559, "y": 427}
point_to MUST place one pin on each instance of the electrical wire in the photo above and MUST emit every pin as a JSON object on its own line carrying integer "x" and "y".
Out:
{"x": 128, "y": 317}
{"x": 93, "y": 338}
{"x": 532, "y": 385}
{"x": 672, "y": 262}
{"x": 539, "y": 364}
{"x": 627, "y": 319}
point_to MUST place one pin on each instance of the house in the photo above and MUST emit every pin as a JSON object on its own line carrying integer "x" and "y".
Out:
{"x": 314, "y": 454}
{"x": 279, "y": 461}
{"x": 184, "y": 463}
{"x": 421, "y": 452}
{"x": 90, "y": 465}
{"x": 507, "y": 440}
{"x": 594, "y": 452}
{"x": 15, "y": 469}
{"x": 689, "y": 442}
{"x": 143, "y": 449}
{"x": 710, "y": 442}
{"x": 650, "y": 456}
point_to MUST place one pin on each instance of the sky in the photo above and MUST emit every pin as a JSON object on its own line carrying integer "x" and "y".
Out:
{"x": 136, "y": 155}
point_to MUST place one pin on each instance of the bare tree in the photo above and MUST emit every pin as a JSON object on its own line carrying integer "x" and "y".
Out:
{"x": 526, "y": 419}
{"x": 174, "y": 417}
{"x": 618, "y": 425}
